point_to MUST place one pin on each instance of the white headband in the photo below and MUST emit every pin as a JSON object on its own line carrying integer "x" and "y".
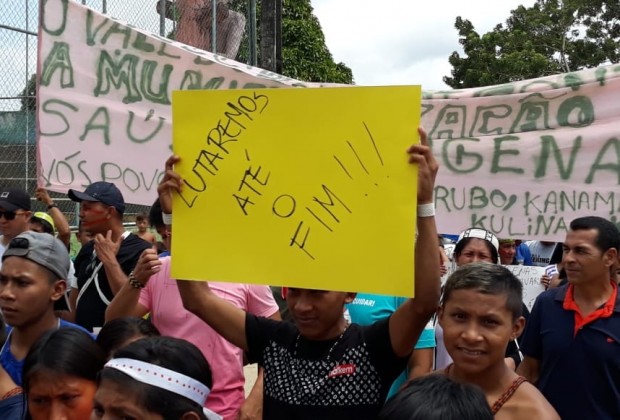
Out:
{"x": 480, "y": 234}
{"x": 163, "y": 378}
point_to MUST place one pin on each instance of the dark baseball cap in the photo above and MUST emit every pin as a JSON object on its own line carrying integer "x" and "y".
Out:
{"x": 41, "y": 248}
{"x": 13, "y": 199}
{"x": 104, "y": 192}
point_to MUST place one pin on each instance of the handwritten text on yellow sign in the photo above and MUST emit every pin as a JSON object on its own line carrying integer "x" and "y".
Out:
{"x": 297, "y": 187}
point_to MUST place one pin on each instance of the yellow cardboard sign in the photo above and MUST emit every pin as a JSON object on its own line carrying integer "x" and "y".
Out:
{"x": 306, "y": 188}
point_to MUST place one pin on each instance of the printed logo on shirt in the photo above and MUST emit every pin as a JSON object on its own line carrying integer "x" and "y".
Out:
{"x": 363, "y": 302}
{"x": 342, "y": 370}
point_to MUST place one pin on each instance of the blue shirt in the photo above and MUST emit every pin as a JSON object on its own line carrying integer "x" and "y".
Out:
{"x": 579, "y": 373}
{"x": 366, "y": 309}
{"x": 13, "y": 408}
{"x": 13, "y": 366}
{"x": 524, "y": 254}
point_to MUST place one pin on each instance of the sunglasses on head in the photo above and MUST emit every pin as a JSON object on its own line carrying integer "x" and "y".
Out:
{"x": 8, "y": 215}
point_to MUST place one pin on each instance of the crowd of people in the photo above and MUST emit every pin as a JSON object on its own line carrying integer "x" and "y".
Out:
{"x": 111, "y": 335}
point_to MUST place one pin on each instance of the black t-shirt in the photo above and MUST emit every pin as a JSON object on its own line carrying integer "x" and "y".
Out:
{"x": 302, "y": 382}
{"x": 90, "y": 311}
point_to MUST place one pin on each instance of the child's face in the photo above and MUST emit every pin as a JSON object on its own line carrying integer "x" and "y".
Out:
{"x": 115, "y": 401}
{"x": 83, "y": 236}
{"x": 59, "y": 396}
{"x": 142, "y": 225}
{"x": 477, "y": 328}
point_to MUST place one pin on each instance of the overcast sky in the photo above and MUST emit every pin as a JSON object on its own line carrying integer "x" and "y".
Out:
{"x": 403, "y": 41}
{"x": 384, "y": 42}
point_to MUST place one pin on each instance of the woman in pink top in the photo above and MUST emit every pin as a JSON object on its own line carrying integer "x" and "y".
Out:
{"x": 160, "y": 297}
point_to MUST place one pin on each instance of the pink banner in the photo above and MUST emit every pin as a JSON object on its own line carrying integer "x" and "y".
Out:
{"x": 521, "y": 160}
{"x": 524, "y": 159}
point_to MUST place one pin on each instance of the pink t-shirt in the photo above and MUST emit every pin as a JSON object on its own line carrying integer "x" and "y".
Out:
{"x": 161, "y": 297}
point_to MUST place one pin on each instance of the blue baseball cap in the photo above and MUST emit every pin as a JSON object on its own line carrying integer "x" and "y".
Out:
{"x": 104, "y": 192}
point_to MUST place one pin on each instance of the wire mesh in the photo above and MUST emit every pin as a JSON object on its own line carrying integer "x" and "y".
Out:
{"x": 189, "y": 21}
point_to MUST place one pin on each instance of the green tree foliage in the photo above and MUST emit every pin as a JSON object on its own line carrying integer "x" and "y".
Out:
{"x": 304, "y": 53}
{"x": 28, "y": 95}
{"x": 552, "y": 36}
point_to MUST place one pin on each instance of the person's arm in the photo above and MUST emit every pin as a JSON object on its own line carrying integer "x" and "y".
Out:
{"x": 407, "y": 323}
{"x": 126, "y": 301}
{"x": 420, "y": 363}
{"x": 444, "y": 261}
{"x": 60, "y": 221}
{"x": 234, "y": 27}
{"x": 252, "y": 408}
{"x": 225, "y": 318}
{"x": 530, "y": 368}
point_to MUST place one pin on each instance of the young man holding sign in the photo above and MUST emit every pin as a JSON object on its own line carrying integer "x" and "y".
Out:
{"x": 321, "y": 367}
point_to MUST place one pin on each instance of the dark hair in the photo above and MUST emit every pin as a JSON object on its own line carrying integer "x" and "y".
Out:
{"x": 117, "y": 332}
{"x": 460, "y": 245}
{"x": 142, "y": 216}
{"x": 155, "y": 216}
{"x": 558, "y": 253}
{"x": 171, "y": 353}
{"x": 608, "y": 234}
{"x": 490, "y": 279}
{"x": 437, "y": 397}
{"x": 161, "y": 248}
{"x": 68, "y": 351}
{"x": 45, "y": 225}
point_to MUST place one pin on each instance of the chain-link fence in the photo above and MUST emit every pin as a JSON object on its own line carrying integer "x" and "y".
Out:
{"x": 230, "y": 31}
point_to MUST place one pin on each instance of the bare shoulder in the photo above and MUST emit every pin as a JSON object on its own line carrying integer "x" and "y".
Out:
{"x": 528, "y": 402}
{"x": 148, "y": 237}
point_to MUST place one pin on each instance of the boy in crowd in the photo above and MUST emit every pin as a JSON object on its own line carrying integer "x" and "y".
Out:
{"x": 142, "y": 223}
{"x": 33, "y": 277}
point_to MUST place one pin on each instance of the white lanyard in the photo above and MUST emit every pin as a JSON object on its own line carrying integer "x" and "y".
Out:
{"x": 94, "y": 276}
{"x": 8, "y": 338}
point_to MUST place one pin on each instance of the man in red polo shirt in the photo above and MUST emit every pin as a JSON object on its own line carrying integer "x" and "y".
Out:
{"x": 572, "y": 338}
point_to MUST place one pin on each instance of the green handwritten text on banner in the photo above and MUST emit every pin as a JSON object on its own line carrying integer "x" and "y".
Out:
{"x": 521, "y": 159}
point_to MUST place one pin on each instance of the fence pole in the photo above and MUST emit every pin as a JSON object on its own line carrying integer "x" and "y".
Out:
{"x": 252, "y": 32}
{"x": 162, "y": 18}
{"x": 214, "y": 26}
{"x": 278, "y": 24}
{"x": 26, "y": 78}
{"x": 268, "y": 35}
